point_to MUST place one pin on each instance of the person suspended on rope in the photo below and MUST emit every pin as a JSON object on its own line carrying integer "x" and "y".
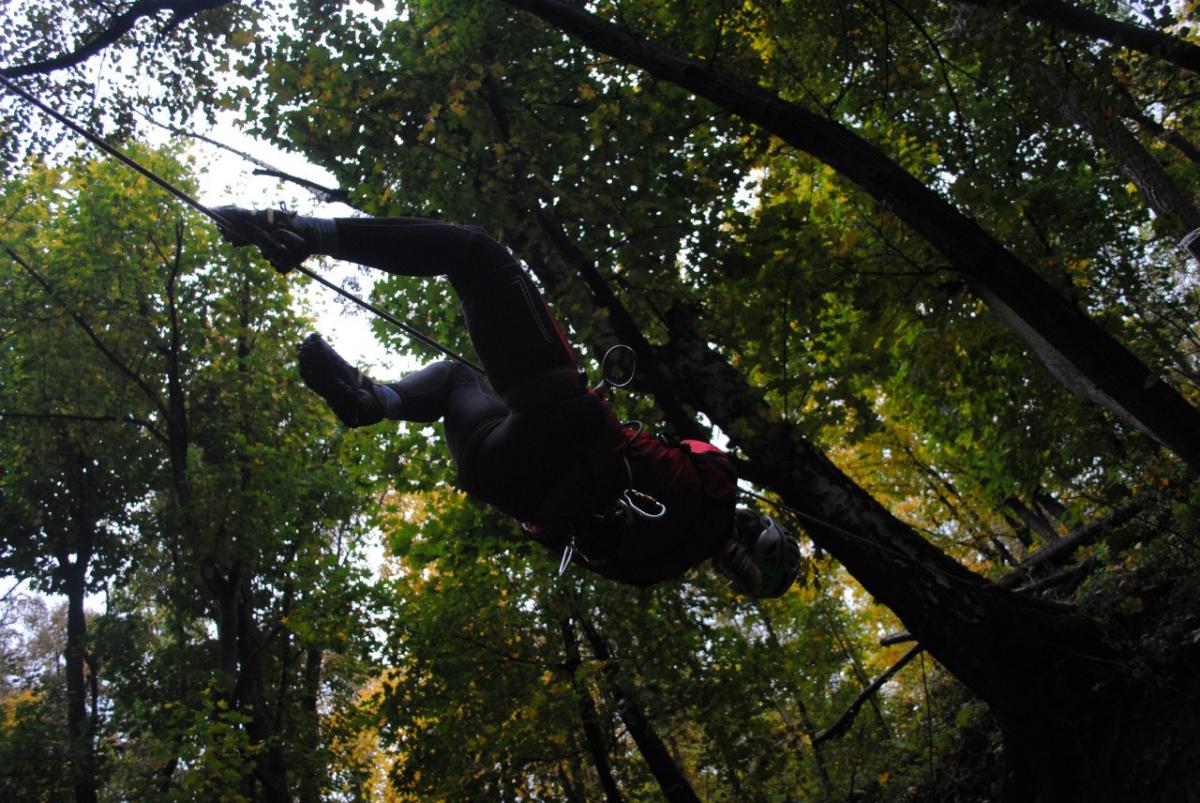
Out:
{"x": 530, "y": 438}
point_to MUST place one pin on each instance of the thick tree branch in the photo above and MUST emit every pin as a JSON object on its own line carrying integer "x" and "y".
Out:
{"x": 1079, "y": 352}
{"x": 675, "y": 786}
{"x": 960, "y": 617}
{"x": 118, "y": 27}
{"x": 1148, "y": 41}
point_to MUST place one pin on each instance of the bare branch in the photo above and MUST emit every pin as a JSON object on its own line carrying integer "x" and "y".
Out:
{"x": 126, "y": 419}
{"x": 322, "y": 193}
{"x": 1061, "y": 550}
{"x": 847, "y": 718}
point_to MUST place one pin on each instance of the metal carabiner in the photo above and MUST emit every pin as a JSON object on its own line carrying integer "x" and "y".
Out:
{"x": 568, "y": 553}
{"x": 628, "y": 500}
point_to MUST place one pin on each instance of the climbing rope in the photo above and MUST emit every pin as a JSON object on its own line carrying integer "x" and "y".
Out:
{"x": 259, "y": 236}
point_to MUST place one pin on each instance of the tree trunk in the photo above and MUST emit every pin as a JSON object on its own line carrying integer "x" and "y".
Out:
{"x": 80, "y": 734}
{"x": 959, "y": 616}
{"x": 79, "y": 731}
{"x": 1076, "y": 350}
{"x": 671, "y": 779}
{"x": 224, "y": 585}
{"x": 966, "y": 622}
{"x": 963, "y": 620}
{"x": 310, "y": 727}
{"x": 270, "y": 768}
{"x": 592, "y": 729}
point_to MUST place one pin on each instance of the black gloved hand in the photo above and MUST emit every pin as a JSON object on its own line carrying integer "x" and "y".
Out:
{"x": 270, "y": 230}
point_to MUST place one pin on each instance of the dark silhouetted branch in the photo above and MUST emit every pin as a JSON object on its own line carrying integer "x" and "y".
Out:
{"x": 118, "y": 27}
{"x": 1068, "y": 17}
{"x": 847, "y": 719}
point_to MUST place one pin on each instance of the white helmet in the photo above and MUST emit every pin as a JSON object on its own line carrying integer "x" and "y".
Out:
{"x": 774, "y": 553}
{"x": 777, "y": 555}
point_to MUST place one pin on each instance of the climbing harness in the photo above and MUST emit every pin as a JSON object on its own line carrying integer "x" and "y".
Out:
{"x": 617, "y": 375}
{"x": 259, "y": 236}
{"x": 618, "y": 367}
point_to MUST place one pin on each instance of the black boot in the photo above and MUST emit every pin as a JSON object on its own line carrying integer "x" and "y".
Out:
{"x": 274, "y": 232}
{"x": 356, "y": 400}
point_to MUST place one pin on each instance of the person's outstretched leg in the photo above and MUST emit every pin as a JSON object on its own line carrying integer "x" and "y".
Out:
{"x": 445, "y": 390}
{"x": 514, "y": 333}
{"x": 454, "y": 393}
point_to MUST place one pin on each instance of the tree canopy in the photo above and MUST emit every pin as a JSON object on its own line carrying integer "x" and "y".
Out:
{"x": 928, "y": 269}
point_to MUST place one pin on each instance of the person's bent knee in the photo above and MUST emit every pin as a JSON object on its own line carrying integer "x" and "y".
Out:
{"x": 485, "y": 260}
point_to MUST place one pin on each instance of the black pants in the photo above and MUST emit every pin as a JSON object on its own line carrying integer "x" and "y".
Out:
{"x": 509, "y": 452}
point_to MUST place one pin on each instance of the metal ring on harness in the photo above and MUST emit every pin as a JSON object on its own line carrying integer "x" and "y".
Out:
{"x": 617, "y": 352}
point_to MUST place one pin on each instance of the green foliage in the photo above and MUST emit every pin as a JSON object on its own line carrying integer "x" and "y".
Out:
{"x": 32, "y": 749}
{"x": 212, "y": 746}
{"x": 849, "y": 324}
{"x": 185, "y": 56}
{"x": 163, "y": 360}
{"x": 32, "y": 740}
{"x": 246, "y": 623}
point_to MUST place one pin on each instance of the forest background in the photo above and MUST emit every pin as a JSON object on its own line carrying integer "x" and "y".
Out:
{"x": 929, "y": 267}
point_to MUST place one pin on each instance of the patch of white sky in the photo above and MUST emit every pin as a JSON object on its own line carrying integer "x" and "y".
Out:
{"x": 226, "y": 177}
